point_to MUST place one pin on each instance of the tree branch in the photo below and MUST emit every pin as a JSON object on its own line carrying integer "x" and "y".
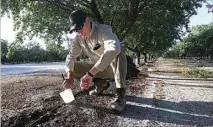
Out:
{"x": 113, "y": 17}
{"x": 100, "y": 6}
{"x": 61, "y": 5}
{"x": 84, "y": 3}
{"x": 94, "y": 10}
{"x": 133, "y": 15}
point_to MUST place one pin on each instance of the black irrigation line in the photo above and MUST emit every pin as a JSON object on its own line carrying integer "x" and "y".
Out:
{"x": 55, "y": 108}
{"x": 48, "y": 112}
{"x": 110, "y": 111}
{"x": 58, "y": 106}
{"x": 79, "y": 93}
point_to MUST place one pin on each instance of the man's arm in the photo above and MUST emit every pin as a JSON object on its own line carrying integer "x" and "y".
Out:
{"x": 111, "y": 49}
{"x": 75, "y": 51}
{"x": 93, "y": 71}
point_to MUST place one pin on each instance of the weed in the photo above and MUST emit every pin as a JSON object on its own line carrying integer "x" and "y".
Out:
{"x": 197, "y": 72}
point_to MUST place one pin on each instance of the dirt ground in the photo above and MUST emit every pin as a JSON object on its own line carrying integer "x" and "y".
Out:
{"x": 165, "y": 98}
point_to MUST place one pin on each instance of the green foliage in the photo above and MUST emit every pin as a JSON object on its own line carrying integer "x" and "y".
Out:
{"x": 56, "y": 52}
{"x": 201, "y": 44}
{"x": 32, "y": 52}
{"x": 198, "y": 44}
{"x": 4, "y": 45}
{"x": 11, "y": 52}
{"x": 199, "y": 29}
{"x": 148, "y": 27}
{"x": 160, "y": 25}
{"x": 49, "y": 18}
{"x": 197, "y": 72}
{"x": 177, "y": 51}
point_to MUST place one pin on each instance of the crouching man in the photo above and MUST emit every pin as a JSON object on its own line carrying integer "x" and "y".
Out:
{"x": 103, "y": 48}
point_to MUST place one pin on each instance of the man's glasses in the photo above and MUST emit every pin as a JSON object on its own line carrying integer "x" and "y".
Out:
{"x": 79, "y": 28}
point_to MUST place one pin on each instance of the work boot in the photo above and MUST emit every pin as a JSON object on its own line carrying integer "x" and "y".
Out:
{"x": 100, "y": 86}
{"x": 120, "y": 101}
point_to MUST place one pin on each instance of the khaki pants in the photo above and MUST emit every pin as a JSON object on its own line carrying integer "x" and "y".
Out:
{"x": 117, "y": 71}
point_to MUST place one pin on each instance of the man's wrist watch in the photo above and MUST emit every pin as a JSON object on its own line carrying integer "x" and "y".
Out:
{"x": 90, "y": 74}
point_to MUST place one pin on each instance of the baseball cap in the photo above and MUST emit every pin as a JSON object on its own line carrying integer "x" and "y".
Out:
{"x": 77, "y": 19}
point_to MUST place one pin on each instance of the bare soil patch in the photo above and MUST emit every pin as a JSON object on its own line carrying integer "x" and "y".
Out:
{"x": 34, "y": 100}
{"x": 165, "y": 98}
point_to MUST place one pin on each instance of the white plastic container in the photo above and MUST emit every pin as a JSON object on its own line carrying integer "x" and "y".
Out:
{"x": 67, "y": 96}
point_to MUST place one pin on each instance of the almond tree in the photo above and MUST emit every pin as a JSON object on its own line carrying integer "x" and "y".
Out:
{"x": 148, "y": 27}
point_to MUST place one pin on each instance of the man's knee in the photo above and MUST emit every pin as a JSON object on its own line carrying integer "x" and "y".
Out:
{"x": 81, "y": 67}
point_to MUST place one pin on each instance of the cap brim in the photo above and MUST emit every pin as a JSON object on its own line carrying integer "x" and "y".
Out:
{"x": 75, "y": 27}
{"x": 72, "y": 28}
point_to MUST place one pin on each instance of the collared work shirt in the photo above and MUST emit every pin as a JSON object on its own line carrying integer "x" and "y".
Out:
{"x": 102, "y": 57}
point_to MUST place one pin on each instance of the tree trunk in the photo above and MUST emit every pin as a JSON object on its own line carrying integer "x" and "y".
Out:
{"x": 145, "y": 57}
{"x": 201, "y": 56}
{"x": 94, "y": 9}
{"x": 150, "y": 57}
{"x": 138, "y": 58}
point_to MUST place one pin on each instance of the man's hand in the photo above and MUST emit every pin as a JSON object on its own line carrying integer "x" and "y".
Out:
{"x": 68, "y": 82}
{"x": 86, "y": 81}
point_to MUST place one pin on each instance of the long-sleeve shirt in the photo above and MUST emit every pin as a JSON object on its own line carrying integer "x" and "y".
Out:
{"x": 102, "y": 57}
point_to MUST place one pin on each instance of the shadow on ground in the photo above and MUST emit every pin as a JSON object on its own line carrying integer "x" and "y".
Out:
{"x": 86, "y": 113}
{"x": 181, "y": 113}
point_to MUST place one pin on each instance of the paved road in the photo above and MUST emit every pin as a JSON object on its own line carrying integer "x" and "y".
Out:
{"x": 29, "y": 68}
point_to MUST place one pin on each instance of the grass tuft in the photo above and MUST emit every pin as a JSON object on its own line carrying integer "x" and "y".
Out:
{"x": 197, "y": 72}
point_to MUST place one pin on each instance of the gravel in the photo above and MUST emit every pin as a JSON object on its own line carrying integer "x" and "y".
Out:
{"x": 165, "y": 98}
